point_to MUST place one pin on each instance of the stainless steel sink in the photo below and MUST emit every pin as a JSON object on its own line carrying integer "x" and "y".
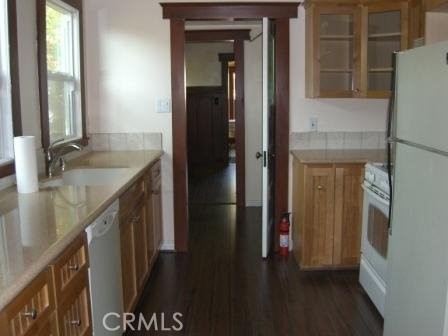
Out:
{"x": 88, "y": 177}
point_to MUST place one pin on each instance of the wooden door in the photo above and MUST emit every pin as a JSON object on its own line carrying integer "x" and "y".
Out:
{"x": 140, "y": 252}
{"x": 333, "y": 50}
{"x": 208, "y": 126}
{"x": 128, "y": 264}
{"x": 348, "y": 215}
{"x": 385, "y": 29}
{"x": 319, "y": 216}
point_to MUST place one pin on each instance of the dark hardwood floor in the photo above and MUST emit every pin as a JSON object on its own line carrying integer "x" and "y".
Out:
{"x": 212, "y": 185}
{"x": 223, "y": 287}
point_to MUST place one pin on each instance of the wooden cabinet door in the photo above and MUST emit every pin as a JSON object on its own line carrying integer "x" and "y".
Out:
{"x": 348, "y": 215}
{"x": 385, "y": 29}
{"x": 128, "y": 264}
{"x": 157, "y": 217}
{"x": 74, "y": 313}
{"x": 319, "y": 216}
{"x": 140, "y": 241}
{"x": 333, "y": 50}
{"x": 151, "y": 241}
{"x": 31, "y": 310}
{"x": 49, "y": 328}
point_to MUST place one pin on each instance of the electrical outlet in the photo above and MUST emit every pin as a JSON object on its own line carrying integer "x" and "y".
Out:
{"x": 314, "y": 124}
{"x": 163, "y": 105}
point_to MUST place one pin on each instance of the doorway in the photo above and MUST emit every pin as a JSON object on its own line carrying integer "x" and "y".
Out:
{"x": 178, "y": 13}
{"x": 210, "y": 67}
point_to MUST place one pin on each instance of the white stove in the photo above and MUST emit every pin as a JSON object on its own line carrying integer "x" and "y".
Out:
{"x": 375, "y": 233}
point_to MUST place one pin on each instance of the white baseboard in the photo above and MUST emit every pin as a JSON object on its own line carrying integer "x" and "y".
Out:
{"x": 167, "y": 246}
{"x": 251, "y": 204}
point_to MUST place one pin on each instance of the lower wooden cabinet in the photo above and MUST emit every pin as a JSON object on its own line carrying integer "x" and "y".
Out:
{"x": 56, "y": 302}
{"x": 327, "y": 208}
{"x": 140, "y": 233}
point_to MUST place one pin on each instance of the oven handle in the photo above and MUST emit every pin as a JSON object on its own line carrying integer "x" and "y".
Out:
{"x": 377, "y": 197}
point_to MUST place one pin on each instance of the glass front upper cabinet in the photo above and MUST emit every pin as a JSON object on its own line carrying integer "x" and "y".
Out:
{"x": 349, "y": 48}
{"x": 335, "y": 55}
{"x": 386, "y": 34}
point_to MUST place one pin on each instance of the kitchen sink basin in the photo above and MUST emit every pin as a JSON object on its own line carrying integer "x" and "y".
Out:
{"x": 88, "y": 177}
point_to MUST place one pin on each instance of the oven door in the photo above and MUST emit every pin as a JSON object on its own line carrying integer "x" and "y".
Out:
{"x": 375, "y": 231}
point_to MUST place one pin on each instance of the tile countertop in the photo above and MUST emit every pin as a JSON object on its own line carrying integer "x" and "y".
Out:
{"x": 36, "y": 228}
{"x": 340, "y": 156}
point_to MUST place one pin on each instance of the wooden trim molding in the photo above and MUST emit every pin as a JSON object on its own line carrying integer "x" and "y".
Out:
{"x": 281, "y": 122}
{"x": 225, "y": 10}
{"x": 14, "y": 67}
{"x": 179, "y": 122}
{"x": 240, "y": 125}
{"x": 178, "y": 13}
{"x": 42, "y": 70}
{"x": 9, "y": 169}
{"x": 217, "y": 35}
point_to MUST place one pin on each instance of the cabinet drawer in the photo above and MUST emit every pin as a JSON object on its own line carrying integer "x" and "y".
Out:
{"x": 74, "y": 313}
{"x": 131, "y": 197}
{"x": 68, "y": 267}
{"x": 31, "y": 310}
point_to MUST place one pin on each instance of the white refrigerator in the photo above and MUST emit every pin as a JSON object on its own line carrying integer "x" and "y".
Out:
{"x": 417, "y": 275}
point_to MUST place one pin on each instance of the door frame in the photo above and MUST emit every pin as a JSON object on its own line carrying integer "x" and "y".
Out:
{"x": 178, "y": 13}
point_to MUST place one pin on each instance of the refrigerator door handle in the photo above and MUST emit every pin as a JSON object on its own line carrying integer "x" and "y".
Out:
{"x": 391, "y": 118}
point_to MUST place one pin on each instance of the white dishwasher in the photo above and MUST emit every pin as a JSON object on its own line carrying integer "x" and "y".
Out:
{"x": 105, "y": 271}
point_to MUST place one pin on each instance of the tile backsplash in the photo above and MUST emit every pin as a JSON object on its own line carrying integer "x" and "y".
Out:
{"x": 338, "y": 140}
{"x": 126, "y": 141}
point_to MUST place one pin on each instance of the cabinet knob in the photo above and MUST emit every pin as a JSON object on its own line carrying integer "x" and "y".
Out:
{"x": 135, "y": 219}
{"x": 76, "y": 323}
{"x": 74, "y": 267}
{"x": 319, "y": 187}
{"x": 32, "y": 314}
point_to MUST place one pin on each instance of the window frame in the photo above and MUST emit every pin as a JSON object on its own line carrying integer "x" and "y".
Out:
{"x": 8, "y": 168}
{"x": 43, "y": 71}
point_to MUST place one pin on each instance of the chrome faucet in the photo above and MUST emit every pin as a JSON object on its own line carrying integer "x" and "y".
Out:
{"x": 55, "y": 155}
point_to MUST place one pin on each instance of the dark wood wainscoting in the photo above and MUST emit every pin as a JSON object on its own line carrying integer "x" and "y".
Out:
{"x": 208, "y": 126}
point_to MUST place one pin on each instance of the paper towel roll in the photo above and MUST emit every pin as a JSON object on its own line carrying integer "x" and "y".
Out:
{"x": 26, "y": 164}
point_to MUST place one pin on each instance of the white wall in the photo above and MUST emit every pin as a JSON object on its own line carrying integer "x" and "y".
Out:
{"x": 203, "y": 67}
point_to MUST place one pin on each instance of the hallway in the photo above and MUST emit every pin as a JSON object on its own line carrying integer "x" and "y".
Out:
{"x": 223, "y": 287}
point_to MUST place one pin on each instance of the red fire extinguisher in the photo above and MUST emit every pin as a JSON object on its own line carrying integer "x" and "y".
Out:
{"x": 284, "y": 235}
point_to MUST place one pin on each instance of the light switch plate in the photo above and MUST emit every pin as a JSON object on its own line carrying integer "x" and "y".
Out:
{"x": 163, "y": 105}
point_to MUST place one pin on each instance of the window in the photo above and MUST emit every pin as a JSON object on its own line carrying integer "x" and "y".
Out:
{"x": 6, "y": 124}
{"x": 61, "y": 70}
